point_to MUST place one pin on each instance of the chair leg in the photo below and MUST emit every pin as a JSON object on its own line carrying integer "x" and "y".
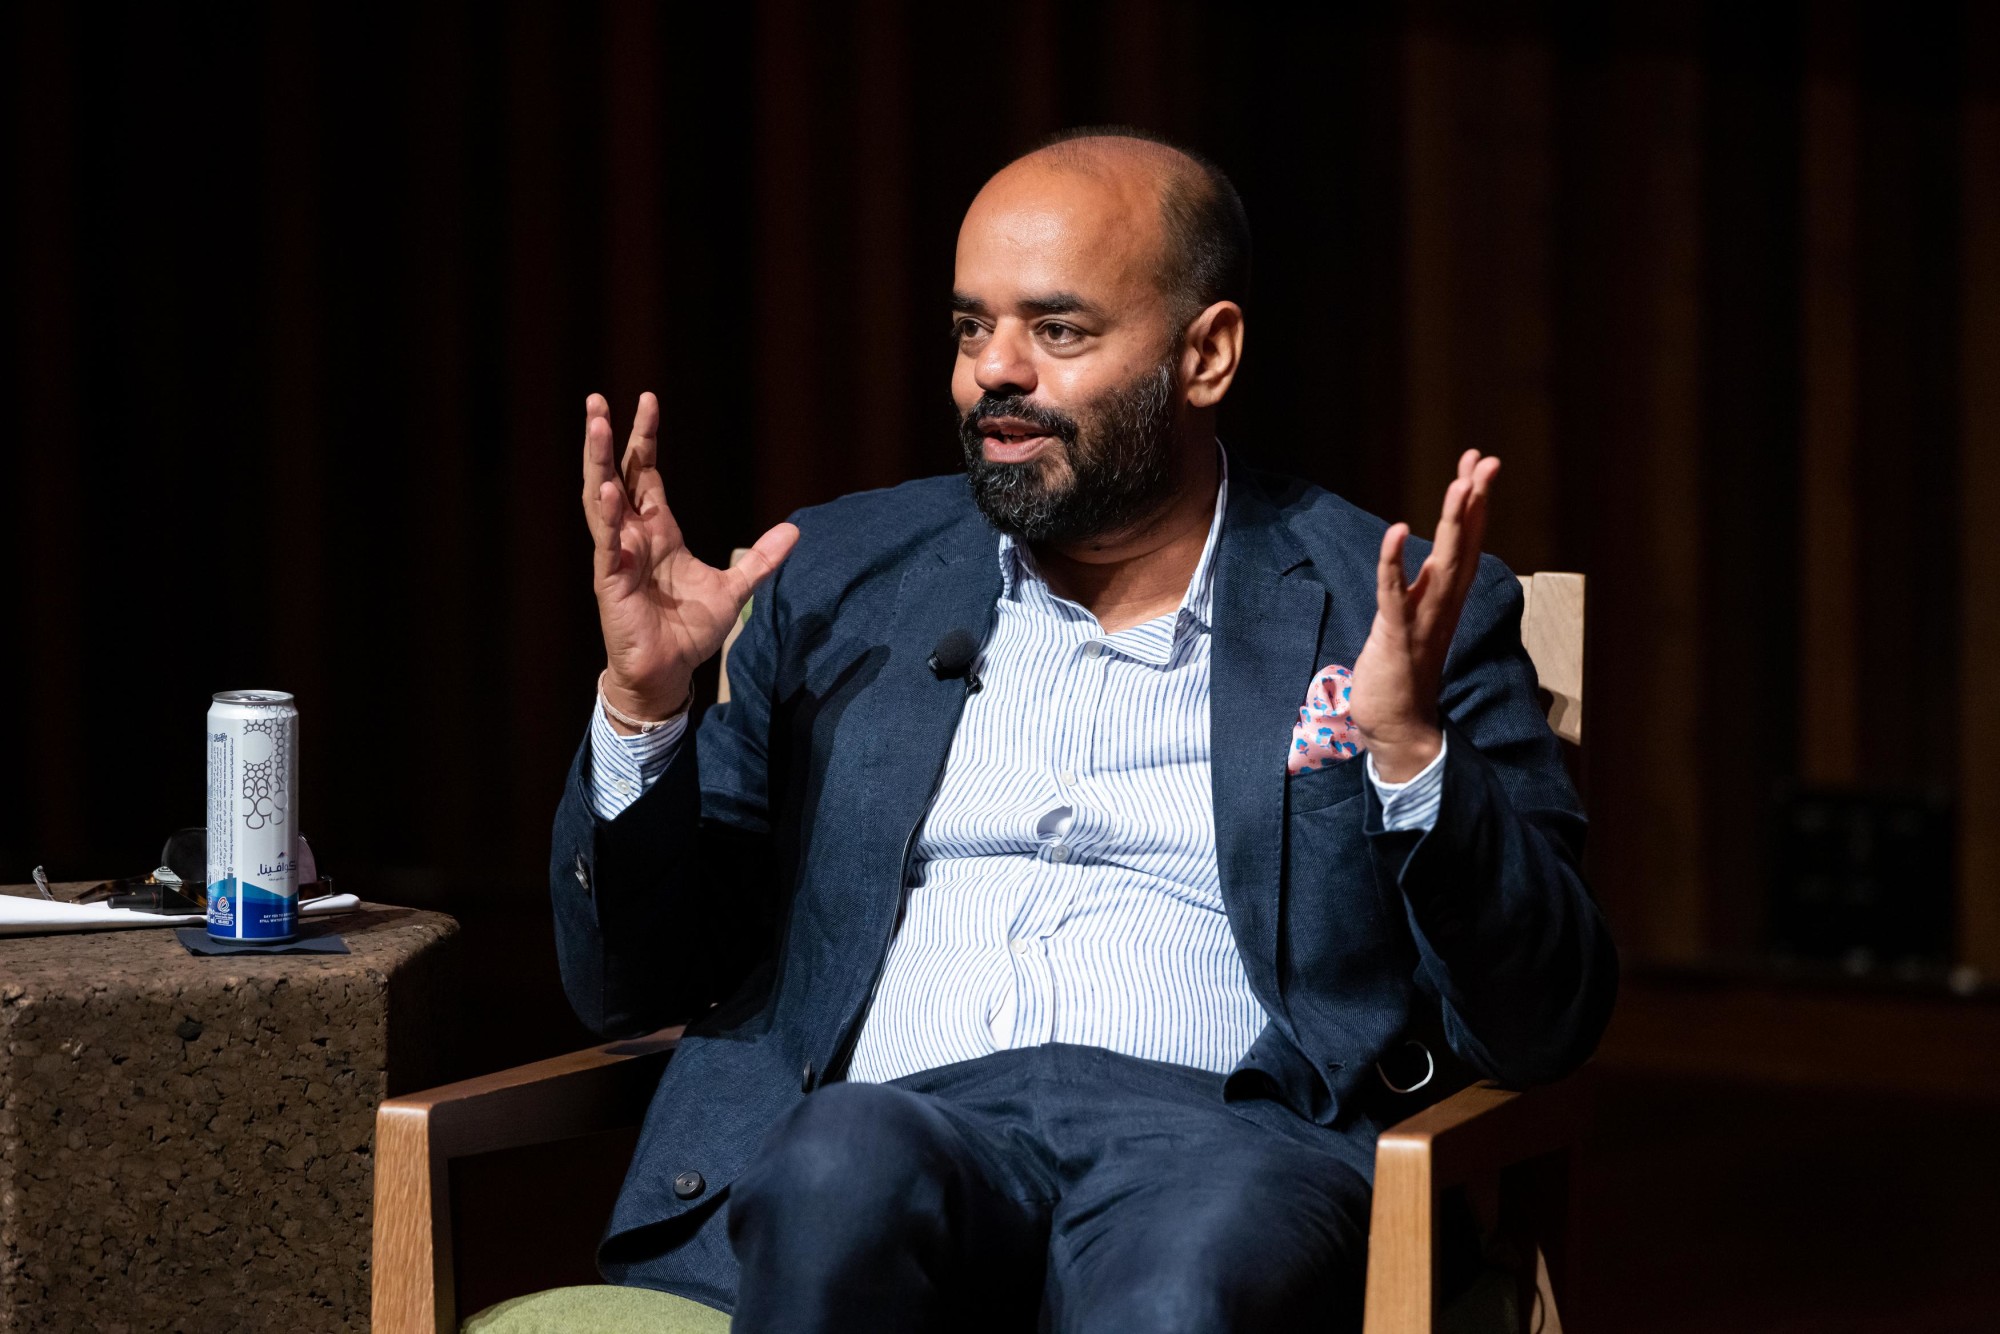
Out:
{"x": 1538, "y": 1206}
{"x": 412, "y": 1280}
{"x": 1543, "y": 1316}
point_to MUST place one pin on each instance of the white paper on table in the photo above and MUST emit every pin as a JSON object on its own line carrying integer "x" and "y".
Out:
{"x": 22, "y": 916}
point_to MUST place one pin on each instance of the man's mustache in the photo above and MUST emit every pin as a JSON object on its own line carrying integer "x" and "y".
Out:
{"x": 1045, "y": 420}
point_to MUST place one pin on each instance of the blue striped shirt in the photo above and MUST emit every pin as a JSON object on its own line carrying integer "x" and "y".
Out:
{"x": 1064, "y": 885}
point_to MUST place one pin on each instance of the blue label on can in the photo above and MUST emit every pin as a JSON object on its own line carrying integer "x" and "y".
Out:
{"x": 240, "y": 910}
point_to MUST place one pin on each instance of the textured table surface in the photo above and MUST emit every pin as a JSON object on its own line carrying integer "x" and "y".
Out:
{"x": 185, "y": 1142}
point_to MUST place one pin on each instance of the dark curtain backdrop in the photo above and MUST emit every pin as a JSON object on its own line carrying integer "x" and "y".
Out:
{"x": 305, "y": 302}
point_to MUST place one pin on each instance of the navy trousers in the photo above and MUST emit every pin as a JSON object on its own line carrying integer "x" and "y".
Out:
{"x": 1058, "y": 1188}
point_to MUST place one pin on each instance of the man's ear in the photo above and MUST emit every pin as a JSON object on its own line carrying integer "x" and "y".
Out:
{"x": 1211, "y": 351}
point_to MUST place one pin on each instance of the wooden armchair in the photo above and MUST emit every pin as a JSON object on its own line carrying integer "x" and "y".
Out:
{"x": 1510, "y": 1153}
{"x": 1513, "y": 1147}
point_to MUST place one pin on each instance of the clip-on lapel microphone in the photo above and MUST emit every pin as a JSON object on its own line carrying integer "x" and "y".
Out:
{"x": 953, "y": 657}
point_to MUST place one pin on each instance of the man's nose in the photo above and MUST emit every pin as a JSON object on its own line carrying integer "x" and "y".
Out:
{"x": 1004, "y": 365}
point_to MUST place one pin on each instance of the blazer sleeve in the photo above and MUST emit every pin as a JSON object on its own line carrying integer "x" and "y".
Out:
{"x": 1507, "y": 932}
{"x": 662, "y": 912}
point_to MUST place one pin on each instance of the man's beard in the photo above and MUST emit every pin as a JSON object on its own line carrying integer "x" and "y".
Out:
{"x": 1122, "y": 463}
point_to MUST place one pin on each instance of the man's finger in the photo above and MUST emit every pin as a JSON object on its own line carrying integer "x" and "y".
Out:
{"x": 1439, "y": 591}
{"x": 1440, "y": 584}
{"x": 1446, "y": 545}
{"x": 1473, "y": 537}
{"x": 760, "y": 560}
{"x": 642, "y": 449}
{"x": 1389, "y": 589}
{"x": 608, "y": 525}
{"x": 597, "y": 464}
{"x": 1437, "y": 618}
{"x": 1482, "y": 490}
{"x": 649, "y": 497}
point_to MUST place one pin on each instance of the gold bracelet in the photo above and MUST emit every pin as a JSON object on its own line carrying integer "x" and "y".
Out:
{"x": 645, "y": 728}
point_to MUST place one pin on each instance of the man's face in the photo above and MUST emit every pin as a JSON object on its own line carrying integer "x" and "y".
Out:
{"x": 1066, "y": 379}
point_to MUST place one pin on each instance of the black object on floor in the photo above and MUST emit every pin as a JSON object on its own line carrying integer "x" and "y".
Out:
{"x": 198, "y": 941}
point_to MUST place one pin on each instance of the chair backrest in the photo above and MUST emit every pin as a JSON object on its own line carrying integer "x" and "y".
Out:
{"x": 1552, "y": 632}
{"x": 1551, "y": 628}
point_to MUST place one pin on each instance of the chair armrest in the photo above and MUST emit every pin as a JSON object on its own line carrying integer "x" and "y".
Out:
{"x": 417, "y": 1136}
{"x": 577, "y": 1093}
{"x": 1484, "y": 1128}
{"x": 1476, "y": 1131}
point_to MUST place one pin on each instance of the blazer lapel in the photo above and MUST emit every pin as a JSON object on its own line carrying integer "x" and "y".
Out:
{"x": 1268, "y": 618}
{"x": 953, "y": 588}
{"x": 912, "y": 717}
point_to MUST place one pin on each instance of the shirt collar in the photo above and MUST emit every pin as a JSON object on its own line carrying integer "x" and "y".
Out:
{"x": 1018, "y": 563}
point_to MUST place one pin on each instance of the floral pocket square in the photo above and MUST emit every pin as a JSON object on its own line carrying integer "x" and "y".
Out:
{"x": 1323, "y": 735}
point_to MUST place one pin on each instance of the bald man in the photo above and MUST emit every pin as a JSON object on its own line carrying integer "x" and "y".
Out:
{"x": 1097, "y": 849}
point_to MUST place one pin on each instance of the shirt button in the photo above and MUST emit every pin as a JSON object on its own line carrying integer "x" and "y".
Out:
{"x": 1093, "y": 649}
{"x": 622, "y": 786}
{"x": 1018, "y": 946}
{"x": 1067, "y": 777}
{"x": 1058, "y": 853}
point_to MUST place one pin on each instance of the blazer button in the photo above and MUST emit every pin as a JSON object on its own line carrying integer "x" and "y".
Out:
{"x": 689, "y": 1184}
{"x": 806, "y": 1078}
{"x": 582, "y": 873}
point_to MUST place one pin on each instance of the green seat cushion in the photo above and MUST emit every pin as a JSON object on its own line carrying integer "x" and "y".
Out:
{"x": 600, "y": 1308}
{"x": 606, "y": 1309}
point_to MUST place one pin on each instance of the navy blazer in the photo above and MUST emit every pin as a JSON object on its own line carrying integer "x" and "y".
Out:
{"x": 753, "y": 890}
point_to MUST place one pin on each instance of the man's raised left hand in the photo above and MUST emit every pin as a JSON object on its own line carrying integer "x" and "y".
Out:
{"x": 1394, "y": 702}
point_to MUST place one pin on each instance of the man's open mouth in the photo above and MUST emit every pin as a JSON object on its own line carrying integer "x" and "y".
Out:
{"x": 1012, "y": 440}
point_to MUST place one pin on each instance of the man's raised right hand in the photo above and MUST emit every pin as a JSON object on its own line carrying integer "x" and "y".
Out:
{"x": 663, "y": 612}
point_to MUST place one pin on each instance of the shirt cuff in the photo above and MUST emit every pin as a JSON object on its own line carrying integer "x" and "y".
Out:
{"x": 1412, "y": 804}
{"x": 623, "y": 767}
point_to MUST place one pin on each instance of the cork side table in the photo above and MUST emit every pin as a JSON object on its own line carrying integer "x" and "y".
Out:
{"x": 186, "y": 1142}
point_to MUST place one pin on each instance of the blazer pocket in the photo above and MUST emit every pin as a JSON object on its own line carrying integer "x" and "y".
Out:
{"x": 1318, "y": 788}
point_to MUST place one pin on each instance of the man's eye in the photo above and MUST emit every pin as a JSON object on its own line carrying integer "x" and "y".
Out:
{"x": 965, "y": 330}
{"x": 1060, "y": 334}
